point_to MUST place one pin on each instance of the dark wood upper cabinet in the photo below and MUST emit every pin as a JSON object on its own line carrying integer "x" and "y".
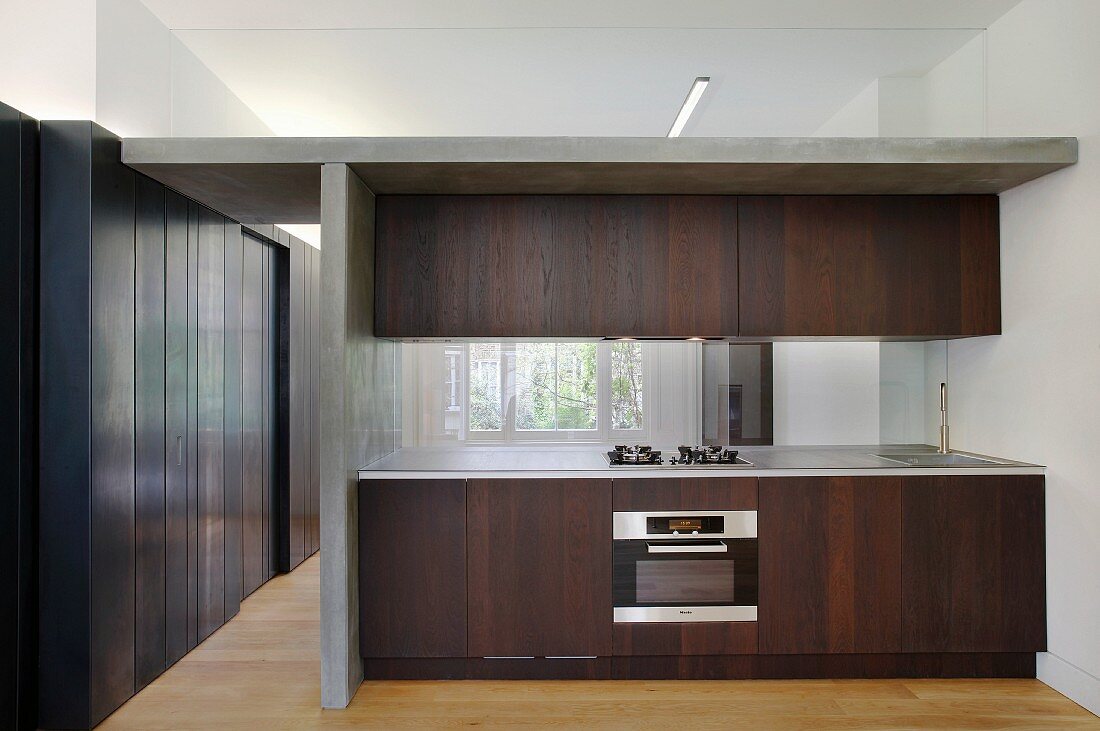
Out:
{"x": 556, "y": 266}
{"x": 539, "y": 557}
{"x": 412, "y": 568}
{"x": 916, "y": 267}
{"x": 901, "y": 266}
{"x": 830, "y": 565}
{"x": 974, "y": 578}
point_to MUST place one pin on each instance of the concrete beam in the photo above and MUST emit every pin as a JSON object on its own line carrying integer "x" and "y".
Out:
{"x": 277, "y": 179}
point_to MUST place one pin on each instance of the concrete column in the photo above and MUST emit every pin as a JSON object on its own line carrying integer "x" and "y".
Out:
{"x": 358, "y": 415}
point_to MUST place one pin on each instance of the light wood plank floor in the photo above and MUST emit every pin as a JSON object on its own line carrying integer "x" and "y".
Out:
{"x": 261, "y": 671}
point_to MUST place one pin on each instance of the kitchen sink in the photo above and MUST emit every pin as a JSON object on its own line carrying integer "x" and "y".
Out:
{"x": 939, "y": 460}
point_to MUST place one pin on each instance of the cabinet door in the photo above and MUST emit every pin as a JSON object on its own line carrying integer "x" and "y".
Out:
{"x": 539, "y": 567}
{"x": 830, "y": 565}
{"x": 412, "y": 568}
{"x": 150, "y": 528}
{"x": 974, "y": 577}
{"x": 556, "y": 265}
{"x": 907, "y": 266}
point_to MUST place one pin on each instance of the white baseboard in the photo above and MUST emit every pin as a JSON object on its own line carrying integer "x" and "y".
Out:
{"x": 1079, "y": 686}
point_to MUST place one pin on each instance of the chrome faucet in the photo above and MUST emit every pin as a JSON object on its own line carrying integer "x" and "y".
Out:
{"x": 945, "y": 439}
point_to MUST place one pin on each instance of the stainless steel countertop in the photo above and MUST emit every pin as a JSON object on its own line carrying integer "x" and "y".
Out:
{"x": 590, "y": 461}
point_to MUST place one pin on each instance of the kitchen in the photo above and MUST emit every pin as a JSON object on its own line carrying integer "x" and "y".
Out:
{"x": 539, "y": 406}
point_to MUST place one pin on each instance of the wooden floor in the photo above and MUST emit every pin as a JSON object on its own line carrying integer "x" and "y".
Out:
{"x": 261, "y": 671}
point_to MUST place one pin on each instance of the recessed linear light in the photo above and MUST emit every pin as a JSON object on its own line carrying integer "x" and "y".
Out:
{"x": 689, "y": 105}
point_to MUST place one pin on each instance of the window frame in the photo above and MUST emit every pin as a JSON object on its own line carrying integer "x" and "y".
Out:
{"x": 603, "y": 433}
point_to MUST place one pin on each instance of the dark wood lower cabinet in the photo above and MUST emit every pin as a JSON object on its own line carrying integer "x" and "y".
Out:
{"x": 974, "y": 577}
{"x": 539, "y": 557}
{"x": 412, "y": 568}
{"x": 830, "y": 565}
{"x": 860, "y": 577}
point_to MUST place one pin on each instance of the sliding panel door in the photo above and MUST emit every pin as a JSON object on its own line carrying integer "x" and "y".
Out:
{"x": 252, "y": 402}
{"x": 211, "y": 422}
{"x": 232, "y": 405}
{"x": 192, "y": 424}
{"x": 177, "y": 435}
{"x": 149, "y": 500}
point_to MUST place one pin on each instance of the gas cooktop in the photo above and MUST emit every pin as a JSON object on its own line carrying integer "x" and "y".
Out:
{"x": 637, "y": 455}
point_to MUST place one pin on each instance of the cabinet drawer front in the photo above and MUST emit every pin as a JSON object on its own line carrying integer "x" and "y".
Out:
{"x": 685, "y": 493}
{"x": 685, "y": 638}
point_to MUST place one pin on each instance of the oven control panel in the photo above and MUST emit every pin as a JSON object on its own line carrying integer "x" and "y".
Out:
{"x": 685, "y": 525}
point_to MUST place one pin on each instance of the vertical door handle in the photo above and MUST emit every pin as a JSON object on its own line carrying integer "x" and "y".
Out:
{"x": 179, "y": 450}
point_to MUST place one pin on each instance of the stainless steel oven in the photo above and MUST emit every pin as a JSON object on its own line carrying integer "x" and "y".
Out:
{"x": 685, "y": 566}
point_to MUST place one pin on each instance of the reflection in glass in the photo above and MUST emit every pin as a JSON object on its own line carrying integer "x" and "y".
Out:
{"x": 485, "y": 391}
{"x": 626, "y": 385}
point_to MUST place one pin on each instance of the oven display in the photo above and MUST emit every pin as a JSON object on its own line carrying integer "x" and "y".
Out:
{"x": 686, "y": 523}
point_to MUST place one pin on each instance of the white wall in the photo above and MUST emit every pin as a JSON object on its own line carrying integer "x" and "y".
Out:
{"x": 133, "y": 69}
{"x": 825, "y": 393}
{"x": 114, "y": 62}
{"x": 948, "y": 101}
{"x": 48, "y": 57}
{"x": 857, "y": 118}
{"x": 1033, "y": 393}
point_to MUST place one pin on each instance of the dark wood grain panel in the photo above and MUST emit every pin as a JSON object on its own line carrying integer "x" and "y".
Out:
{"x": 177, "y": 436}
{"x": 687, "y": 493}
{"x": 544, "y": 266}
{"x": 232, "y": 426}
{"x": 980, "y": 223}
{"x": 149, "y": 444}
{"x": 19, "y": 327}
{"x": 192, "y": 424}
{"x": 252, "y": 403}
{"x": 830, "y": 565}
{"x": 112, "y": 427}
{"x": 684, "y": 638}
{"x": 273, "y": 426}
{"x": 975, "y": 564}
{"x": 775, "y": 667}
{"x": 904, "y": 266}
{"x": 539, "y": 557}
{"x": 65, "y": 413}
{"x": 211, "y": 422}
{"x": 412, "y": 592}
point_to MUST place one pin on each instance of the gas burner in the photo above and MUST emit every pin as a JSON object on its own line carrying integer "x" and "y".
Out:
{"x": 706, "y": 455}
{"x": 635, "y": 454}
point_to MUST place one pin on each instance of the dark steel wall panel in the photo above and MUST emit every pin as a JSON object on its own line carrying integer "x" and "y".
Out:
{"x": 112, "y": 426}
{"x": 274, "y": 425}
{"x": 18, "y": 425}
{"x": 211, "y": 422}
{"x": 314, "y": 399}
{"x": 297, "y": 445}
{"x": 252, "y": 374}
{"x": 177, "y": 436}
{"x": 192, "y": 424}
{"x": 65, "y": 423}
{"x": 149, "y": 407}
{"x": 232, "y": 404}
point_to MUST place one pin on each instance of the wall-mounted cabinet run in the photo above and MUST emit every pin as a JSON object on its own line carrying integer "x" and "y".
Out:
{"x": 918, "y": 267}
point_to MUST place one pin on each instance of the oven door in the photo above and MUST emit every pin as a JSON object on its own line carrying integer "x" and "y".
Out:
{"x": 688, "y": 580}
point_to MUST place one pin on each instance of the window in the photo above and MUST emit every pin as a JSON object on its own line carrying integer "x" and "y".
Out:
{"x": 556, "y": 391}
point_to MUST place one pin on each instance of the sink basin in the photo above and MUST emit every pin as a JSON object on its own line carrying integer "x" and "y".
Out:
{"x": 938, "y": 460}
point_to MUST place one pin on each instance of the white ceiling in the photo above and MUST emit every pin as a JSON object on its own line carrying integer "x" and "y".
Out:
{"x": 343, "y": 14}
{"x": 563, "y": 67}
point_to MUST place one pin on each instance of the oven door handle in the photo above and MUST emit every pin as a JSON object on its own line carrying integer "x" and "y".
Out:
{"x": 701, "y": 547}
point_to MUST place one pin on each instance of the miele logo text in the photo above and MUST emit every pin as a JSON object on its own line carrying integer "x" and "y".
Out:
{"x": 685, "y": 611}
